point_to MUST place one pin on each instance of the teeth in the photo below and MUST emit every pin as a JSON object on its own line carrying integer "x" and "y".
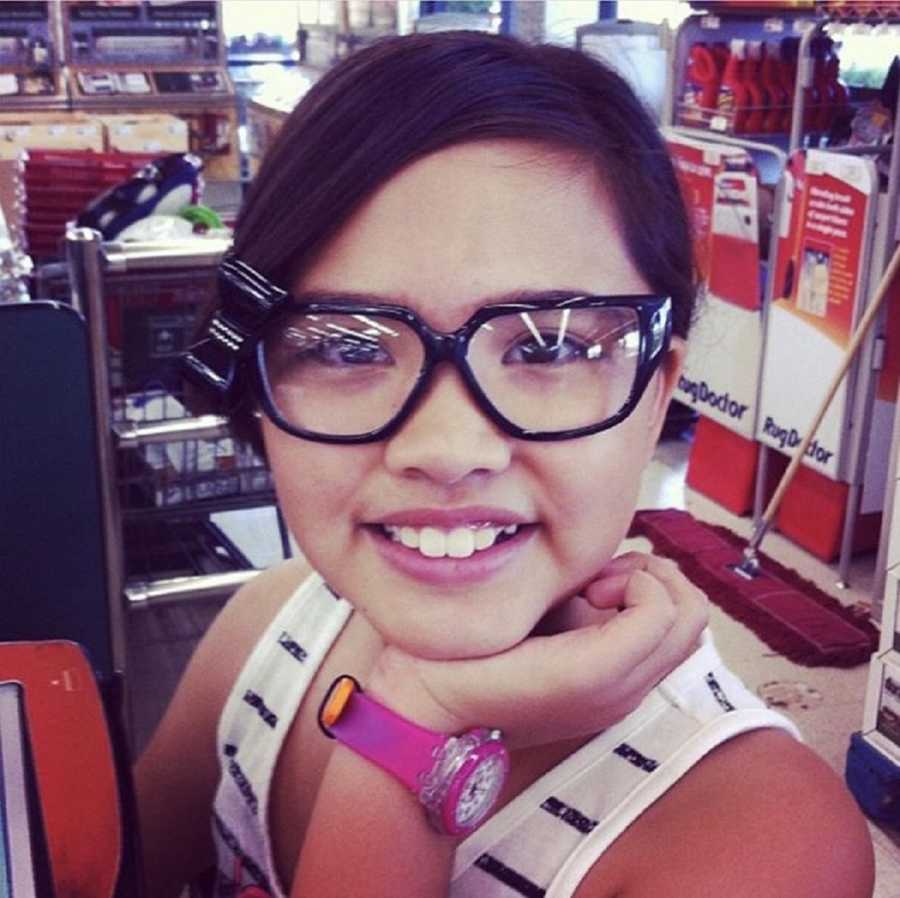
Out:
{"x": 460, "y": 542}
{"x": 432, "y": 543}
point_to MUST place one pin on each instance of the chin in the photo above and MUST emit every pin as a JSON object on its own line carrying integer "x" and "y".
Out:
{"x": 457, "y": 643}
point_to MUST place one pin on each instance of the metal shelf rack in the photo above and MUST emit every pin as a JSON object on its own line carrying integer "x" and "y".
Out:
{"x": 164, "y": 470}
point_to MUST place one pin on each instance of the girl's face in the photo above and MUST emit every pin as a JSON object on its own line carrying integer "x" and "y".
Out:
{"x": 454, "y": 231}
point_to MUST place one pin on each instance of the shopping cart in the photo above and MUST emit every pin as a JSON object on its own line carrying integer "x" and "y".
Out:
{"x": 166, "y": 472}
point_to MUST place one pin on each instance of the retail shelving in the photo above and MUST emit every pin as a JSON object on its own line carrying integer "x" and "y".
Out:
{"x": 807, "y": 145}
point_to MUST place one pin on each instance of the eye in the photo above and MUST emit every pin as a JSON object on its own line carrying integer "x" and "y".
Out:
{"x": 545, "y": 349}
{"x": 347, "y": 350}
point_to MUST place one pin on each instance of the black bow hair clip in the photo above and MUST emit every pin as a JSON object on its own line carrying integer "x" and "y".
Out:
{"x": 248, "y": 301}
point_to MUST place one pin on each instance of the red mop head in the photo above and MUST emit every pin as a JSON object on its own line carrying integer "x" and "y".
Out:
{"x": 790, "y": 614}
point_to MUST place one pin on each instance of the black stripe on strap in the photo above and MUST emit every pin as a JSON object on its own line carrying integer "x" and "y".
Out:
{"x": 509, "y": 877}
{"x": 718, "y": 692}
{"x": 633, "y": 756}
{"x": 569, "y": 815}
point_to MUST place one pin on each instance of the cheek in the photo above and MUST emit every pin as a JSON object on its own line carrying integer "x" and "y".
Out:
{"x": 594, "y": 485}
{"x": 315, "y": 483}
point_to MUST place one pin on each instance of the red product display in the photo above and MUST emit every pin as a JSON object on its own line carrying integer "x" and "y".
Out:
{"x": 757, "y": 95}
{"x": 861, "y": 9}
{"x": 60, "y": 183}
{"x": 734, "y": 239}
{"x": 701, "y": 86}
{"x": 734, "y": 100}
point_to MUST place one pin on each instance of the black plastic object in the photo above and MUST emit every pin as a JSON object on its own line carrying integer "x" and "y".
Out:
{"x": 54, "y": 583}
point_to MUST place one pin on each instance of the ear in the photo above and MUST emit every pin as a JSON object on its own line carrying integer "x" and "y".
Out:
{"x": 663, "y": 386}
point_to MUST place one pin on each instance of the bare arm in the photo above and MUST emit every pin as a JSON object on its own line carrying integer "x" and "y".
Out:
{"x": 761, "y": 817}
{"x": 370, "y": 837}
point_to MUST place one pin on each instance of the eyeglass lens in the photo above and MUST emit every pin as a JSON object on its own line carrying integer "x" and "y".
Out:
{"x": 548, "y": 370}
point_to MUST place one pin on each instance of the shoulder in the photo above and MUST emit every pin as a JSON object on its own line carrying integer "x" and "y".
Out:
{"x": 225, "y": 647}
{"x": 234, "y": 633}
{"x": 176, "y": 776}
{"x": 762, "y": 816}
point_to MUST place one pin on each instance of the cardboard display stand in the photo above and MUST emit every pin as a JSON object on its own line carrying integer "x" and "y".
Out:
{"x": 820, "y": 281}
{"x": 720, "y": 377}
{"x": 820, "y": 284}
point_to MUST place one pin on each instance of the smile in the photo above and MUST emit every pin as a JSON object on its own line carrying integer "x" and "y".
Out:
{"x": 459, "y": 542}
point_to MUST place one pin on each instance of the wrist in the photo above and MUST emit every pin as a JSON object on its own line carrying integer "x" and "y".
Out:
{"x": 458, "y": 778}
{"x": 396, "y": 683}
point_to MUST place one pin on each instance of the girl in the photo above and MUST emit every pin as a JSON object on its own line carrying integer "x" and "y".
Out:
{"x": 453, "y": 321}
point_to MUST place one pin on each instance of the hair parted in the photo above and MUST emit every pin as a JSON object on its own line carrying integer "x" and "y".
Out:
{"x": 403, "y": 98}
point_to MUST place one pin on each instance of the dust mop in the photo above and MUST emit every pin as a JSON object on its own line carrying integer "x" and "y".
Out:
{"x": 791, "y": 614}
{"x": 749, "y": 567}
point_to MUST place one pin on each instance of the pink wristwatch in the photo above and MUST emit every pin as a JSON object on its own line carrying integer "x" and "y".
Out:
{"x": 457, "y": 778}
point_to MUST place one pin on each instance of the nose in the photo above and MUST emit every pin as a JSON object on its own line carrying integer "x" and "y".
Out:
{"x": 447, "y": 438}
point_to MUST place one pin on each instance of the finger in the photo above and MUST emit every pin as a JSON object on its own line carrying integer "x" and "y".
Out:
{"x": 690, "y": 605}
{"x": 692, "y": 616}
{"x": 664, "y": 568}
{"x": 609, "y": 586}
{"x": 608, "y": 589}
{"x": 604, "y": 654}
{"x": 608, "y": 592}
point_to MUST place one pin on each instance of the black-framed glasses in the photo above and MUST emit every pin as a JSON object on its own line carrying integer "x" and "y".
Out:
{"x": 553, "y": 369}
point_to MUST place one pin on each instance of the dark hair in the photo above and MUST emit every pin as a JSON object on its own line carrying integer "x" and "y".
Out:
{"x": 405, "y": 97}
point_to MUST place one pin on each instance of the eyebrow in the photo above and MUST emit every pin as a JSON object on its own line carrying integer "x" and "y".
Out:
{"x": 309, "y": 297}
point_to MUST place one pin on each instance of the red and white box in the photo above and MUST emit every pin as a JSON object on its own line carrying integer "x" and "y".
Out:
{"x": 881, "y": 719}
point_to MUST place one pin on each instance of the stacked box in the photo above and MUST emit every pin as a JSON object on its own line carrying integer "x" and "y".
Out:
{"x": 60, "y": 183}
{"x": 48, "y": 132}
{"x": 881, "y": 719}
{"x": 890, "y": 613}
{"x": 158, "y": 134}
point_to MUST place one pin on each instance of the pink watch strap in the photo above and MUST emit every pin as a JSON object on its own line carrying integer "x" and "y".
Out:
{"x": 399, "y": 746}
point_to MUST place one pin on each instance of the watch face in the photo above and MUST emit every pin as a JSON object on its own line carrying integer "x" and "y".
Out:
{"x": 476, "y": 788}
{"x": 479, "y": 793}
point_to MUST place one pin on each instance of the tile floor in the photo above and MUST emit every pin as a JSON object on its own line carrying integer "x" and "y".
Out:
{"x": 834, "y": 699}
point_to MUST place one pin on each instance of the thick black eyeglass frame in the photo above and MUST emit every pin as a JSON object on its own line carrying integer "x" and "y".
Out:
{"x": 655, "y": 324}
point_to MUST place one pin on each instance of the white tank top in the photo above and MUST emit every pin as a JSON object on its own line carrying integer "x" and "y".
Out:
{"x": 545, "y": 840}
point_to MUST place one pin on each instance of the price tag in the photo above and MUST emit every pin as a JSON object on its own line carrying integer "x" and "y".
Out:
{"x": 718, "y": 123}
{"x": 711, "y": 23}
{"x": 773, "y": 26}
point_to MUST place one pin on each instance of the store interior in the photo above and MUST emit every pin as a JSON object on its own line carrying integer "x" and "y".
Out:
{"x": 129, "y": 134}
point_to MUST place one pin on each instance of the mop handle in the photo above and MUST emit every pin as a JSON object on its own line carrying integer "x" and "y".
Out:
{"x": 858, "y": 336}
